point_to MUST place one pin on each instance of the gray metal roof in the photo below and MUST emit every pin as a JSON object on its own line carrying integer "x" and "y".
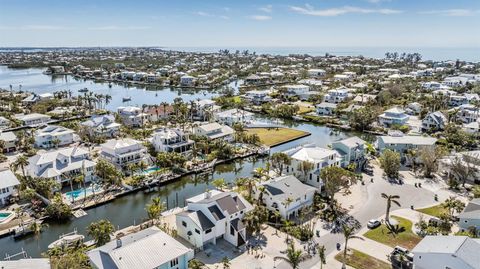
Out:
{"x": 26, "y": 264}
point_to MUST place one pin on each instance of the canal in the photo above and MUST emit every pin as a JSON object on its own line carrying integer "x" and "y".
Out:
{"x": 130, "y": 209}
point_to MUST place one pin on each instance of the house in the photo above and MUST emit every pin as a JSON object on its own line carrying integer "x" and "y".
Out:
{"x": 171, "y": 140}
{"x": 361, "y": 99}
{"x": 470, "y": 216}
{"x": 285, "y": 194}
{"x": 132, "y": 116}
{"x": 53, "y": 136}
{"x": 8, "y": 186}
{"x": 472, "y": 127}
{"x": 10, "y": 141}
{"x": 457, "y": 100}
{"x": 215, "y": 131}
{"x": 33, "y": 119}
{"x": 467, "y": 113}
{"x": 149, "y": 248}
{"x": 204, "y": 109}
{"x": 101, "y": 125}
{"x": 258, "y": 97}
{"x": 213, "y": 215}
{"x": 337, "y": 95}
{"x": 299, "y": 90}
{"x": 253, "y": 79}
{"x": 469, "y": 159}
{"x": 326, "y": 109}
{"x": 393, "y": 116}
{"x": 27, "y": 263}
{"x": 319, "y": 157}
{"x": 4, "y": 123}
{"x": 413, "y": 108}
{"x": 121, "y": 152}
{"x": 351, "y": 150}
{"x": 187, "y": 81}
{"x": 447, "y": 252}
{"x": 62, "y": 165}
{"x": 316, "y": 73}
{"x": 232, "y": 116}
{"x": 156, "y": 113}
{"x": 403, "y": 143}
{"x": 434, "y": 121}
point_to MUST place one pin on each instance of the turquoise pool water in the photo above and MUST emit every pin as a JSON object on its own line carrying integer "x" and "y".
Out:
{"x": 80, "y": 193}
{"x": 4, "y": 216}
{"x": 151, "y": 170}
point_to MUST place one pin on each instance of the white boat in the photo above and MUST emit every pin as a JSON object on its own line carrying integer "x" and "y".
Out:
{"x": 83, "y": 90}
{"x": 67, "y": 240}
{"x": 126, "y": 99}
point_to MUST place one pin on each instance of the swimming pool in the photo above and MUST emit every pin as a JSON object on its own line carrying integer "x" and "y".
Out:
{"x": 83, "y": 193}
{"x": 5, "y": 216}
{"x": 151, "y": 170}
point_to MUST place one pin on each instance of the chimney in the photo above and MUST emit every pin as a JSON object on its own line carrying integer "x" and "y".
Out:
{"x": 119, "y": 242}
{"x": 208, "y": 194}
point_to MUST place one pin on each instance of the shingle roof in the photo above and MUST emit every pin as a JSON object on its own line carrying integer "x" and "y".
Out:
{"x": 287, "y": 187}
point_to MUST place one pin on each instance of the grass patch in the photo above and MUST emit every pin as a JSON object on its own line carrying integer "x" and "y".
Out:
{"x": 360, "y": 260}
{"x": 435, "y": 211}
{"x": 405, "y": 238}
{"x": 274, "y": 136}
{"x": 305, "y": 109}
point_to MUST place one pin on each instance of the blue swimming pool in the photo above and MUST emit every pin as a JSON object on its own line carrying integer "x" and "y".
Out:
{"x": 82, "y": 193}
{"x": 151, "y": 170}
{"x": 5, "y": 216}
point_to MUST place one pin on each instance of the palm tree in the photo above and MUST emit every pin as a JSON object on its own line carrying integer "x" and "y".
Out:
{"x": 21, "y": 162}
{"x": 287, "y": 203}
{"x": 348, "y": 233}
{"x": 37, "y": 228}
{"x": 226, "y": 262}
{"x": 100, "y": 231}
{"x": 390, "y": 199}
{"x": 321, "y": 255}
{"x": 294, "y": 256}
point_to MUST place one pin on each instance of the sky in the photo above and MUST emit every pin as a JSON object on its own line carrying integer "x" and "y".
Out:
{"x": 240, "y": 23}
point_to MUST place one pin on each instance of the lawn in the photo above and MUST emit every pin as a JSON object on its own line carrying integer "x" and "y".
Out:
{"x": 435, "y": 211}
{"x": 360, "y": 260}
{"x": 275, "y": 136}
{"x": 405, "y": 238}
{"x": 305, "y": 109}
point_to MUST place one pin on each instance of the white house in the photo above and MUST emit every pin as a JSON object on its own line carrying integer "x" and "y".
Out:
{"x": 447, "y": 252}
{"x": 62, "y": 164}
{"x": 187, "y": 81}
{"x": 121, "y": 152}
{"x": 205, "y": 109}
{"x": 232, "y": 116}
{"x": 102, "y": 125}
{"x": 258, "y": 96}
{"x": 213, "y": 215}
{"x": 351, "y": 150}
{"x": 8, "y": 186}
{"x": 54, "y": 135}
{"x": 472, "y": 127}
{"x": 403, "y": 143}
{"x": 10, "y": 141}
{"x": 215, "y": 131}
{"x": 467, "y": 113}
{"x": 392, "y": 116}
{"x": 286, "y": 194}
{"x": 337, "y": 95}
{"x": 33, "y": 119}
{"x": 149, "y": 248}
{"x": 171, "y": 140}
{"x": 132, "y": 116}
{"x": 434, "y": 121}
{"x": 302, "y": 91}
{"x": 470, "y": 216}
{"x": 4, "y": 123}
{"x": 316, "y": 73}
{"x": 319, "y": 157}
{"x": 326, "y": 109}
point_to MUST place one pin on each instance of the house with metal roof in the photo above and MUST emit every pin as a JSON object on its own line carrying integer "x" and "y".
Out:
{"x": 102, "y": 125}
{"x": 10, "y": 141}
{"x": 470, "y": 216}
{"x": 149, "y": 248}
{"x": 434, "y": 121}
{"x": 393, "y": 116}
{"x": 54, "y": 135}
{"x": 37, "y": 263}
{"x": 455, "y": 252}
{"x": 213, "y": 215}
{"x": 8, "y": 186}
{"x": 402, "y": 143}
{"x": 215, "y": 131}
{"x": 351, "y": 150}
{"x": 285, "y": 194}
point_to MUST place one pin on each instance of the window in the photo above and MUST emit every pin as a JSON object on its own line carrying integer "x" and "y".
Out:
{"x": 208, "y": 231}
{"x": 310, "y": 176}
{"x": 197, "y": 231}
{"x": 174, "y": 262}
{"x": 232, "y": 231}
{"x": 184, "y": 224}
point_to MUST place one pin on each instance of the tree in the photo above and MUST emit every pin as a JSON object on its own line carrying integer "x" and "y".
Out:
{"x": 278, "y": 160}
{"x": 195, "y": 264}
{"x": 361, "y": 119}
{"x": 476, "y": 191}
{"x": 219, "y": 183}
{"x": 336, "y": 179}
{"x": 109, "y": 174}
{"x": 453, "y": 205}
{"x": 255, "y": 218}
{"x": 462, "y": 170}
{"x": 100, "y": 231}
{"x": 390, "y": 162}
{"x": 321, "y": 255}
{"x": 348, "y": 233}
{"x": 58, "y": 210}
{"x": 155, "y": 208}
{"x": 246, "y": 182}
{"x": 226, "y": 262}
{"x": 294, "y": 256}
{"x": 305, "y": 167}
{"x": 20, "y": 162}
{"x": 390, "y": 199}
{"x": 429, "y": 157}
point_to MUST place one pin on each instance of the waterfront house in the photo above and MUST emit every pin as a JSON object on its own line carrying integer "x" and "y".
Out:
{"x": 351, "y": 150}
{"x": 434, "y": 121}
{"x": 319, "y": 157}
{"x": 54, "y": 136}
{"x": 213, "y": 215}
{"x": 254, "y": 80}
{"x": 30, "y": 99}
{"x": 470, "y": 216}
{"x": 171, "y": 140}
{"x": 215, "y": 131}
{"x": 316, "y": 73}
{"x": 187, "y": 81}
{"x": 402, "y": 143}
{"x": 10, "y": 141}
{"x": 285, "y": 194}
{"x": 204, "y": 109}
{"x": 337, "y": 95}
{"x": 457, "y": 100}
{"x": 124, "y": 151}
{"x": 160, "y": 112}
{"x": 132, "y": 116}
{"x": 258, "y": 97}
{"x": 33, "y": 119}
{"x": 447, "y": 252}
{"x": 102, "y": 126}
{"x": 299, "y": 90}
{"x": 62, "y": 165}
{"x": 149, "y": 248}
{"x": 4, "y": 123}
{"x": 8, "y": 186}
{"x": 393, "y": 116}
{"x": 326, "y": 109}
{"x": 232, "y": 116}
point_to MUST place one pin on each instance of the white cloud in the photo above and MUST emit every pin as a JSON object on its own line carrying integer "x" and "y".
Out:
{"x": 260, "y": 17}
{"x": 267, "y": 9}
{"x": 377, "y": 1}
{"x": 116, "y": 28}
{"x": 451, "y": 12}
{"x": 330, "y": 12}
{"x": 43, "y": 27}
{"x": 224, "y": 17}
{"x": 203, "y": 14}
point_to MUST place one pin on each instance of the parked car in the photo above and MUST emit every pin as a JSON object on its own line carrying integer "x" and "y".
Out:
{"x": 368, "y": 171}
{"x": 373, "y": 223}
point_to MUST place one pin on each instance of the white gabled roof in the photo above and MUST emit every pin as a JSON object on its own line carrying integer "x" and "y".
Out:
{"x": 311, "y": 153}
{"x": 8, "y": 179}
